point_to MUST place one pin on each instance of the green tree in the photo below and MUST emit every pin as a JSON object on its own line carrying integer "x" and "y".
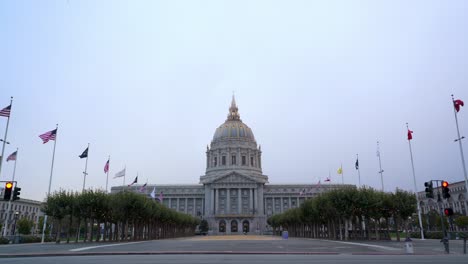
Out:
{"x": 203, "y": 226}
{"x": 24, "y": 226}
{"x": 461, "y": 221}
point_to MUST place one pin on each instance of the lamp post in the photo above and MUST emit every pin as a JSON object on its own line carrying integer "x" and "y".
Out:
{"x": 14, "y": 225}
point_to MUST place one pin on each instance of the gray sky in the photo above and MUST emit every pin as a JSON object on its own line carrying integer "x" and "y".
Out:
{"x": 148, "y": 82}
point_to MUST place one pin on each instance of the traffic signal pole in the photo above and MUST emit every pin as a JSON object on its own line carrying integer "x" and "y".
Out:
{"x": 444, "y": 230}
{"x": 9, "y": 206}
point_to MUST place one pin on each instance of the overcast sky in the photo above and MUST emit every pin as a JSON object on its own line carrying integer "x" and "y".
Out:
{"x": 148, "y": 82}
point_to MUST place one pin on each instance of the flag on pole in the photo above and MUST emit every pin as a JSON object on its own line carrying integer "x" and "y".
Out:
{"x": 161, "y": 197}
{"x": 119, "y": 174}
{"x": 142, "y": 188}
{"x": 6, "y": 111}
{"x": 340, "y": 170}
{"x": 51, "y": 135}
{"x": 356, "y": 165}
{"x": 410, "y": 136}
{"x": 134, "y": 181}
{"x": 153, "y": 193}
{"x": 106, "y": 167}
{"x": 302, "y": 192}
{"x": 84, "y": 154}
{"x": 12, "y": 156}
{"x": 457, "y": 103}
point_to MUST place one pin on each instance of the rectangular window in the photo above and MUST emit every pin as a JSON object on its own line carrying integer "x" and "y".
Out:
{"x": 215, "y": 162}
{"x": 233, "y": 159}
{"x": 244, "y": 161}
{"x": 223, "y": 160}
{"x": 251, "y": 161}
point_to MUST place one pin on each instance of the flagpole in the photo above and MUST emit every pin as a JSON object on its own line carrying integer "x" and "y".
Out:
{"x": 380, "y": 166}
{"x": 86, "y": 168}
{"x": 415, "y": 186}
{"x": 461, "y": 149}
{"x": 11, "y": 197}
{"x": 358, "y": 170}
{"x": 107, "y": 179}
{"x": 50, "y": 183}
{"x": 5, "y": 137}
{"x": 342, "y": 174}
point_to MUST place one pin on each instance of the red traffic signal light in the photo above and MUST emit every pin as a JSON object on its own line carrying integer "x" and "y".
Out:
{"x": 7, "y": 191}
{"x": 448, "y": 211}
{"x": 445, "y": 184}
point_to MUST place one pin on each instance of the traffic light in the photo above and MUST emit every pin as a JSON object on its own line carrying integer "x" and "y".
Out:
{"x": 448, "y": 211}
{"x": 429, "y": 189}
{"x": 16, "y": 193}
{"x": 445, "y": 190}
{"x": 7, "y": 191}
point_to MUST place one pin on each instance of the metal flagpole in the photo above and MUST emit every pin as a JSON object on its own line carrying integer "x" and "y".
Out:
{"x": 86, "y": 168}
{"x": 358, "y": 170}
{"x": 9, "y": 206}
{"x": 342, "y": 174}
{"x": 107, "y": 179}
{"x": 50, "y": 183}
{"x": 5, "y": 137}
{"x": 461, "y": 149}
{"x": 415, "y": 188}
{"x": 380, "y": 165}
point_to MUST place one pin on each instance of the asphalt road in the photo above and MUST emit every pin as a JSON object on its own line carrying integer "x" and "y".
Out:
{"x": 229, "y": 245}
{"x": 240, "y": 259}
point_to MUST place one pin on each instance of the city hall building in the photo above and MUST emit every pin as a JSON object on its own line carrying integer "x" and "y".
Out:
{"x": 234, "y": 196}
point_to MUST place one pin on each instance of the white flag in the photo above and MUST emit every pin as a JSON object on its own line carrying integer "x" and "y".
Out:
{"x": 153, "y": 193}
{"x": 120, "y": 174}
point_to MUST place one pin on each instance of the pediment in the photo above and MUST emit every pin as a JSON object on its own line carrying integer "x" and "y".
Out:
{"x": 234, "y": 177}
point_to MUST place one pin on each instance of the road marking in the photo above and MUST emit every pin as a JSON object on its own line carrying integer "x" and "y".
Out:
{"x": 111, "y": 245}
{"x": 366, "y": 245}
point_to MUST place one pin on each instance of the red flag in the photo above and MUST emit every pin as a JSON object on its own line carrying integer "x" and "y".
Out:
{"x": 457, "y": 103}
{"x": 410, "y": 136}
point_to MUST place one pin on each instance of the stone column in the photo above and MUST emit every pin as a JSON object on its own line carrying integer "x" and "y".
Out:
{"x": 217, "y": 201}
{"x": 170, "y": 203}
{"x": 186, "y": 205}
{"x": 281, "y": 204}
{"x": 178, "y": 204}
{"x": 239, "y": 194}
{"x": 297, "y": 201}
{"x": 212, "y": 202}
{"x": 251, "y": 200}
{"x": 194, "y": 207}
{"x": 228, "y": 201}
{"x": 290, "y": 204}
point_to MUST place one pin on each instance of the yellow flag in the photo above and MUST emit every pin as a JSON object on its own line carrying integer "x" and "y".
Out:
{"x": 340, "y": 171}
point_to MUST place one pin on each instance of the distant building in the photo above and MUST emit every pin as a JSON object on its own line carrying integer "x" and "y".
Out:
{"x": 23, "y": 208}
{"x": 456, "y": 201}
{"x": 234, "y": 196}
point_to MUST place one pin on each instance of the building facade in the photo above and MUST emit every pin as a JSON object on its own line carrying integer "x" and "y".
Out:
{"x": 23, "y": 208}
{"x": 456, "y": 201}
{"x": 234, "y": 195}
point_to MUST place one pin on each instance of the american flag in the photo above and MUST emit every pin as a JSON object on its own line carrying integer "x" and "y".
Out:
{"x": 161, "y": 197}
{"x": 106, "y": 167}
{"x": 6, "y": 111}
{"x": 12, "y": 156}
{"x": 142, "y": 188}
{"x": 51, "y": 135}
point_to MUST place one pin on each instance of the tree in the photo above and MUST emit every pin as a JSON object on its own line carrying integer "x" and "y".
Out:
{"x": 203, "y": 226}
{"x": 24, "y": 226}
{"x": 462, "y": 221}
